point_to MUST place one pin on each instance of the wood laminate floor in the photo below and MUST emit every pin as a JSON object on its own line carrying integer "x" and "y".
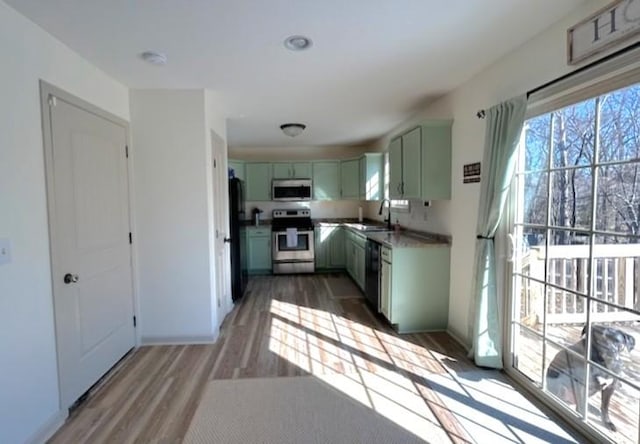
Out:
{"x": 284, "y": 326}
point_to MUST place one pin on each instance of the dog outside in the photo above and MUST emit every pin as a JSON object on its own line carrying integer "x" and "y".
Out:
{"x": 614, "y": 403}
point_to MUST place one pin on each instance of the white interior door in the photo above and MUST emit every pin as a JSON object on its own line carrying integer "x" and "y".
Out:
{"x": 89, "y": 224}
{"x": 221, "y": 221}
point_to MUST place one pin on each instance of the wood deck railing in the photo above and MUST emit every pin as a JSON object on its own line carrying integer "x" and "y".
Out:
{"x": 617, "y": 271}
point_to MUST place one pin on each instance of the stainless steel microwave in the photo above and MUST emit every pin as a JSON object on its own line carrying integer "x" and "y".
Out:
{"x": 291, "y": 190}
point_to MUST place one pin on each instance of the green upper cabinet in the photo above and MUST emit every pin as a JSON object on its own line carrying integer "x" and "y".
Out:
{"x": 292, "y": 170}
{"x": 350, "y": 179}
{"x": 326, "y": 180}
{"x": 372, "y": 176}
{"x": 395, "y": 168}
{"x": 281, "y": 170}
{"x": 420, "y": 162}
{"x": 436, "y": 160}
{"x": 238, "y": 168}
{"x": 258, "y": 181}
{"x": 411, "y": 164}
{"x": 301, "y": 170}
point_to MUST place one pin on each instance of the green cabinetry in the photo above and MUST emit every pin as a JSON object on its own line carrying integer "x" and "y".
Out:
{"x": 258, "y": 181}
{"x": 238, "y": 168}
{"x": 350, "y": 179}
{"x": 395, "y": 168}
{"x": 326, "y": 180}
{"x": 436, "y": 160}
{"x": 292, "y": 170}
{"x": 329, "y": 247}
{"x": 258, "y": 250}
{"x": 355, "y": 257}
{"x": 372, "y": 176}
{"x": 414, "y": 287}
{"x": 420, "y": 162}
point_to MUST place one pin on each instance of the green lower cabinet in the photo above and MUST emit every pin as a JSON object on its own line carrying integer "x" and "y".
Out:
{"x": 329, "y": 247}
{"x": 414, "y": 288}
{"x": 355, "y": 257}
{"x": 259, "y": 250}
{"x": 359, "y": 263}
{"x": 336, "y": 248}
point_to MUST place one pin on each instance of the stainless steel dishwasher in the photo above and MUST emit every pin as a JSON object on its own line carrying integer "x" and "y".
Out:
{"x": 372, "y": 275}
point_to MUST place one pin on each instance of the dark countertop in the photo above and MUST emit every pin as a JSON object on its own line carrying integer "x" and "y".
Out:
{"x": 402, "y": 239}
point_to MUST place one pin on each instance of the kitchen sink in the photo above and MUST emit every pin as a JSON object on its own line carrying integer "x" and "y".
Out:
{"x": 369, "y": 228}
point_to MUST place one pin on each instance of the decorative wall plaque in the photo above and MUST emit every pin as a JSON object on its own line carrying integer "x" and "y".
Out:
{"x": 612, "y": 27}
{"x": 471, "y": 173}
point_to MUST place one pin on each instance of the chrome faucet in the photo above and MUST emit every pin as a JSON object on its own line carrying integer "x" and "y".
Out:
{"x": 388, "y": 219}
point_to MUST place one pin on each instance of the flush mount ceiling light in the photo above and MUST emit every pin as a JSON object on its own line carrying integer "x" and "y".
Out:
{"x": 154, "y": 57}
{"x": 292, "y": 129}
{"x": 298, "y": 43}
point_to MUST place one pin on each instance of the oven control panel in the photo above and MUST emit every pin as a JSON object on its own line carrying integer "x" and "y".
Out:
{"x": 291, "y": 213}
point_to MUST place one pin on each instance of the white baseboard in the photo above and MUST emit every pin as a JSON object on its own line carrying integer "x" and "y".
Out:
{"x": 46, "y": 430}
{"x": 177, "y": 340}
{"x": 458, "y": 339}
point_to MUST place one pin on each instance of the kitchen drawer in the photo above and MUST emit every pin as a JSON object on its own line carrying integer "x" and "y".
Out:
{"x": 385, "y": 254}
{"x": 258, "y": 232}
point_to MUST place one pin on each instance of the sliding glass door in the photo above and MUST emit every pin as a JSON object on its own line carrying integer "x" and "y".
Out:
{"x": 576, "y": 261}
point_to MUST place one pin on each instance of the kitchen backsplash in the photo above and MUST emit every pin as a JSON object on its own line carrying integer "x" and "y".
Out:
{"x": 434, "y": 218}
{"x": 319, "y": 209}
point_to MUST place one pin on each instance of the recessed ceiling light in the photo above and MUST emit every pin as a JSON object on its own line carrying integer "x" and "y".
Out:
{"x": 298, "y": 43}
{"x": 154, "y": 57}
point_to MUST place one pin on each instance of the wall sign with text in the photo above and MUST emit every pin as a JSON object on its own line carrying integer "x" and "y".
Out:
{"x": 471, "y": 173}
{"x": 613, "y": 27}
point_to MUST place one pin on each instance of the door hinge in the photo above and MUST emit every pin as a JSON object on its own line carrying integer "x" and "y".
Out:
{"x": 135, "y": 322}
{"x": 52, "y": 101}
{"x": 130, "y": 238}
{"x": 126, "y": 151}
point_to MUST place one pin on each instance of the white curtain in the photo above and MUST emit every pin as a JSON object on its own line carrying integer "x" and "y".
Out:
{"x": 504, "y": 125}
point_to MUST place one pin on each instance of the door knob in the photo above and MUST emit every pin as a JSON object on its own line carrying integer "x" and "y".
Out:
{"x": 227, "y": 240}
{"x": 70, "y": 278}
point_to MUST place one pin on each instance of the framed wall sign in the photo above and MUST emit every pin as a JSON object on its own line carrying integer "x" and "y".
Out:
{"x": 471, "y": 173}
{"x": 614, "y": 26}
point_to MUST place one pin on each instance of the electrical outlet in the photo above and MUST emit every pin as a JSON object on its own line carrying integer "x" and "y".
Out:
{"x": 5, "y": 251}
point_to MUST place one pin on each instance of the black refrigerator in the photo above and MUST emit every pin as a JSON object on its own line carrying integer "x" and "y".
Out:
{"x": 236, "y": 219}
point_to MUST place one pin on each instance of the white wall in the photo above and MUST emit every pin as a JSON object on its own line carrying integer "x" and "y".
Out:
{"x": 28, "y": 384}
{"x": 538, "y": 61}
{"x": 170, "y": 154}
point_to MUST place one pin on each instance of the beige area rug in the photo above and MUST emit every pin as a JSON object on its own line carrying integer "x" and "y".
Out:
{"x": 341, "y": 287}
{"x": 300, "y": 410}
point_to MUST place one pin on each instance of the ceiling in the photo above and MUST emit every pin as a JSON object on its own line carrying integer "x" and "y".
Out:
{"x": 373, "y": 63}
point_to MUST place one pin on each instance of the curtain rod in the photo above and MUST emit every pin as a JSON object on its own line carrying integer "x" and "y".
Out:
{"x": 481, "y": 114}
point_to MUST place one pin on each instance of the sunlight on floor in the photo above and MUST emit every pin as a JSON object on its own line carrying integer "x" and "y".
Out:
{"x": 405, "y": 382}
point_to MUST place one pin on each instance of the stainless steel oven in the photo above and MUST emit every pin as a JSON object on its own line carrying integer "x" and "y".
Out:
{"x": 293, "y": 249}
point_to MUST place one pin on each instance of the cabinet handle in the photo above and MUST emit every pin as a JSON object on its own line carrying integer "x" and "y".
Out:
{"x": 402, "y": 188}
